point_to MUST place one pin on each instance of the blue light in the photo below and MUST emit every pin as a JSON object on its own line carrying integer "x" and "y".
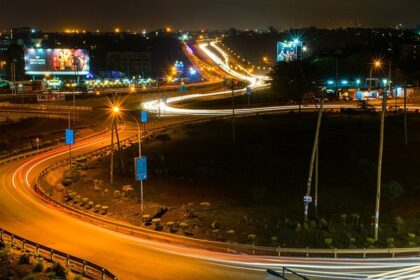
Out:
{"x": 193, "y": 71}
{"x": 330, "y": 82}
{"x": 358, "y": 81}
{"x": 344, "y": 82}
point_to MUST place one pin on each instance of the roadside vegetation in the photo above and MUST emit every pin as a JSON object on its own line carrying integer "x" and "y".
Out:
{"x": 250, "y": 191}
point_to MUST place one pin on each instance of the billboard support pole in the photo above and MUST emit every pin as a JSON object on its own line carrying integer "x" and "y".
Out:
{"x": 69, "y": 145}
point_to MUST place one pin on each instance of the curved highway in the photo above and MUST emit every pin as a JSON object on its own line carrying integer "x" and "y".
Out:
{"x": 24, "y": 213}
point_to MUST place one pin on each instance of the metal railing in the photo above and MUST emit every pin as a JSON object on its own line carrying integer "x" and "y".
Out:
{"x": 99, "y": 220}
{"x": 75, "y": 264}
{"x": 21, "y": 155}
{"x": 45, "y": 107}
{"x": 285, "y": 270}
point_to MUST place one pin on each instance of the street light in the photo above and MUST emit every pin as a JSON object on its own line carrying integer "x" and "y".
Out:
{"x": 377, "y": 64}
{"x": 381, "y": 145}
{"x": 115, "y": 112}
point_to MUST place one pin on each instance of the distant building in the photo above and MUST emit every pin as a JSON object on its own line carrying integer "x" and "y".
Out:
{"x": 410, "y": 51}
{"x": 25, "y": 36}
{"x": 130, "y": 63}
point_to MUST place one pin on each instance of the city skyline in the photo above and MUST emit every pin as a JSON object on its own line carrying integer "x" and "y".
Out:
{"x": 216, "y": 14}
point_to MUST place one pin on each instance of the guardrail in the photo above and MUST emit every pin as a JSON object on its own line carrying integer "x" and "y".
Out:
{"x": 283, "y": 274}
{"x": 75, "y": 264}
{"x": 206, "y": 244}
{"x": 18, "y": 156}
{"x": 45, "y": 107}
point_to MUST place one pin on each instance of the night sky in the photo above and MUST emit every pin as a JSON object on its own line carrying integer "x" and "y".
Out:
{"x": 54, "y": 15}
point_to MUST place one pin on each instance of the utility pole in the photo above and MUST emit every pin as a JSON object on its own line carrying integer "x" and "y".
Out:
{"x": 233, "y": 111}
{"x": 69, "y": 144}
{"x": 307, "y": 198}
{"x": 381, "y": 146}
{"x": 316, "y": 180}
{"x": 13, "y": 76}
{"x": 405, "y": 116}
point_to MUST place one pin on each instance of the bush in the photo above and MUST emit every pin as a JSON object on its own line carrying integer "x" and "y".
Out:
{"x": 328, "y": 241}
{"x": 252, "y": 237}
{"x": 392, "y": 191}
{"x": 370, "y": 242}
{"x": 59, "y": 271}
{"x": 24, "y": 259}
{"x": 38, "y": 267}
{"x": 390, "y": 241}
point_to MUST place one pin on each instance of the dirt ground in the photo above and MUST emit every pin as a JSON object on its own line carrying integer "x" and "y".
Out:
{"x": 229, "y": 191}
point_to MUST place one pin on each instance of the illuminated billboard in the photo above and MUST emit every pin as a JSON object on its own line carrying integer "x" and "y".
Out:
{"x": 57, "y": 62}
{"x": 289, "y": 51}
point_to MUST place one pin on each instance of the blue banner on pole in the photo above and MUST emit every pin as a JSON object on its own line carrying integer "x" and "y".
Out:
{"x": 69, "y": 136}
{"x": 164, "y": 99}
{"x": 248, "y": 90}
{"x": 141, "y": 168}
{"x": 144, "y": 117}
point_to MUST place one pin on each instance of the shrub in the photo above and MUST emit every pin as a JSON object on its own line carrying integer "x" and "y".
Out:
{"x": 312, "y": 224}
{"x": 274, "y": 240}
{"x": 399, "y": 223}
{"x": 392, "y": 191}
{"x": 59, "y": 270}
{"x": 230, "y": 232}
{"x": 411, "y": 235}
{"x": 24, "y": 259}
{"x": 390, "y": 241}
{"x": 38, "y": 267}
{"x": 170, "y": 225}
{"x": 183, "y": 226}
{"x": 252, "y": 237}
{"x": 370, "y": 242}
{"x": 328, "y": 241}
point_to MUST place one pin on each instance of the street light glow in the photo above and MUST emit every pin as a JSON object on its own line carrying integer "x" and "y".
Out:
{"x": 377, "y": 63}
{"x": 116, "y": 109}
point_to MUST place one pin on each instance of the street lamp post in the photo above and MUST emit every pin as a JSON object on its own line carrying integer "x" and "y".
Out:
{"x": 141, "y": 181}
{"x": 381, "y": 146}
{"x": 115, "y": 110}
{"x": 307, "y": 198}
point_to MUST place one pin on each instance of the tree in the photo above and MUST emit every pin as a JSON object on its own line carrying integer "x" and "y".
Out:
{"x": 293, "y": 80}
{"x": 392, "y": 191}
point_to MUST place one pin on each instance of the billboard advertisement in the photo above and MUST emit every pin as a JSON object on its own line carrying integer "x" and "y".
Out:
{"x": 288, "y": 51}
{"x": 57, "y": 62}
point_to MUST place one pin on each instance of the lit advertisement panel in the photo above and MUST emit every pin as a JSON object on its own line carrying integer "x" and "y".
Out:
{"x": 288, "y": 51}
{"x": 57, "y": 61}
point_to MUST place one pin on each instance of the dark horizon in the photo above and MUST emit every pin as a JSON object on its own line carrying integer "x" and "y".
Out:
{"x": 49, "y": 15}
